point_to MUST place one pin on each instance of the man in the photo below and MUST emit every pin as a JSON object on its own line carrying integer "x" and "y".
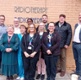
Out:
{"x": 16, "y": 26}
{"x": 77, "y": 47}
{"x": 3, "y": 30}
{"x": 65, "y": 31}
{"x": 45, "y": 20}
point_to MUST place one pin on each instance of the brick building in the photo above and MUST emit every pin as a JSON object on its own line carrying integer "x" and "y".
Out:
{"x": 22, "y": 9}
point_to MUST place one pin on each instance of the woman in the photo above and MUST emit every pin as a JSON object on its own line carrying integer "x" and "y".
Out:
{"x": 30, "y": 48}
{"x": 29, "y": 21}
{"x": 41, "y": 67}
{"x": 9, "y": 45}
{"x": 50, "y": 44}
{"x": 20, "y": 63}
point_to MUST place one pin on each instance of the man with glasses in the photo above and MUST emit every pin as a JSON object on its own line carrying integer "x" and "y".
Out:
{"x": 3, "y": 30}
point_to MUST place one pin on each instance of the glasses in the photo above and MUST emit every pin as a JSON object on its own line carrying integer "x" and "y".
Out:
{"x": 41, "y": 25}
{"x": 29, "y": 21}
{"x": 31, "y": 27}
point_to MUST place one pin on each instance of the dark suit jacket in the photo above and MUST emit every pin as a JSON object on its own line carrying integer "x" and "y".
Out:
{"x": 55, "y": 48}
{"x": 36, "y": 43}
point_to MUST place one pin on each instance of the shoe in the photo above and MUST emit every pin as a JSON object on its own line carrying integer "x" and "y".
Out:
{"x": 58, "y": 71}
{"x": 42, "y": 77}
{"x": 38, "y": 76}
{"x": 11, "y": 78}
{"x": 18, "y": 78}
{"x": 7, "y": 78}
{"x": 62, "y": 73}
{"x": 22, "y": 78}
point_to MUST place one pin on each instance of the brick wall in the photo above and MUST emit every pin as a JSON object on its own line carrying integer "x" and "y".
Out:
{"x": 70, "y": 8}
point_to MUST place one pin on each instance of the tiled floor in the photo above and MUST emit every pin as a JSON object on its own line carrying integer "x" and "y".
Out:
{"x": 66, "y": 77}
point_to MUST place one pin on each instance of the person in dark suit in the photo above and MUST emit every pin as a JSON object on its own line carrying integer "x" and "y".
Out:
{"x": 51, "y": 47}
{"x": 30, "y": 47}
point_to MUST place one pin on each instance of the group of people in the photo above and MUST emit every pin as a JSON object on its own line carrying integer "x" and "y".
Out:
{"x": 25, "y": 50}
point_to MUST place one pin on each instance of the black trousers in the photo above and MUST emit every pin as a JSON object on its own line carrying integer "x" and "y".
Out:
{"x": 51, "y": 62}
{"x": 30, "y": 68}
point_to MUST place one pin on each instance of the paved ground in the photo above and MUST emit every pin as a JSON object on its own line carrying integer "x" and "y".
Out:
{"x": 66, "y": 77}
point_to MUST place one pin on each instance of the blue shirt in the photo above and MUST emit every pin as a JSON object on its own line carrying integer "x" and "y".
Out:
{"x": 3, "y": 29}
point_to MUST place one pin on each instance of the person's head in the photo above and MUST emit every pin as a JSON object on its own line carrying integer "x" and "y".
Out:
{"x": 44, "y": 18}
{"x": 16, "y": 22}
{"x": 62, "y": 18}
{"x": 51, "y": 27}
{"x": 80, "y": 17}
{"x": 2, "y": 19}
{"x": 31, "y": 28}
{"x": 41, "y": 27}
{"x": 29, "y": 21}
{"x": 22, "y": 29}
{"x": 10, "y": 29}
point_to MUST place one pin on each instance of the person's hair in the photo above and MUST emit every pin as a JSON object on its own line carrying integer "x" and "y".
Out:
{"x": 28, "y": 30}
{"x": 62, "y": 15}
{"x": 51, "y": 22}
{"x": 10, "y": 25}
{"x": 23, "y": 26}
{"x": 30, "y": 19}
{"x": 44, "y": 29}
{"x": 2, "y": 16}
{"x": 45, "y": 15}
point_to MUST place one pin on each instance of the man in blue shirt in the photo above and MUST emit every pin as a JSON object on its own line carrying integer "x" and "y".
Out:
{"x": 3, "y": 30}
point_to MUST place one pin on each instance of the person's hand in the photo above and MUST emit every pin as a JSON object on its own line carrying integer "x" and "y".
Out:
{"x": 10, "y": 49}
{"x": 66, "y": 46}
{"x": 26, "y": 54}
{"x": 32, "y": 54}
{"x": 49, "y": 52}
{"x": 7, "y": 50}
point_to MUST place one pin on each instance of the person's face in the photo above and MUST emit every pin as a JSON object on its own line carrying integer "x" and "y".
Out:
{"x": 22, "y": 29}
{"x": 51, "y": 27}
{"x": 2, "y": 19}
{"x": 44, "y": 19}
{"x": 80, "y": 17}
{"x": 16, "y": 23}
{"x": 61, "y": 19}
{"x": 41, "y": 26}
{"x": 29, "y": 22}
{"x": 31, "y": 28}
{"x": 10, "y": 30}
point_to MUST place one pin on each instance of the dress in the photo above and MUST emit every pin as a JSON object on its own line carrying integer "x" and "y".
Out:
{"x": 9, "y": 59}
{"x": 20, "y": 61}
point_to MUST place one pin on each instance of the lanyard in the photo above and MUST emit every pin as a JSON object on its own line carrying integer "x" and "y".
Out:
{"x": 49, "y": 37}
{"x": 30, "y": 40}
{"x": 9, "y": 38}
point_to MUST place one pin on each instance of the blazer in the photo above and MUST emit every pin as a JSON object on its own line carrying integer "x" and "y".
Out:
{"x": 55, "y": 41}
{"x": 25, "y": 43}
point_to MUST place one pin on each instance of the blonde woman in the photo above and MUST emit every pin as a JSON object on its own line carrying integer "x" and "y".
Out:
{"x": 41, "y": 67}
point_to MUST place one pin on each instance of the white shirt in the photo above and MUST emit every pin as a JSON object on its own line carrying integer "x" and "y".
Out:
{"x": 16, "y": 30}
{"x": 41, "y": 33}
{"x": 76, "y": 34}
